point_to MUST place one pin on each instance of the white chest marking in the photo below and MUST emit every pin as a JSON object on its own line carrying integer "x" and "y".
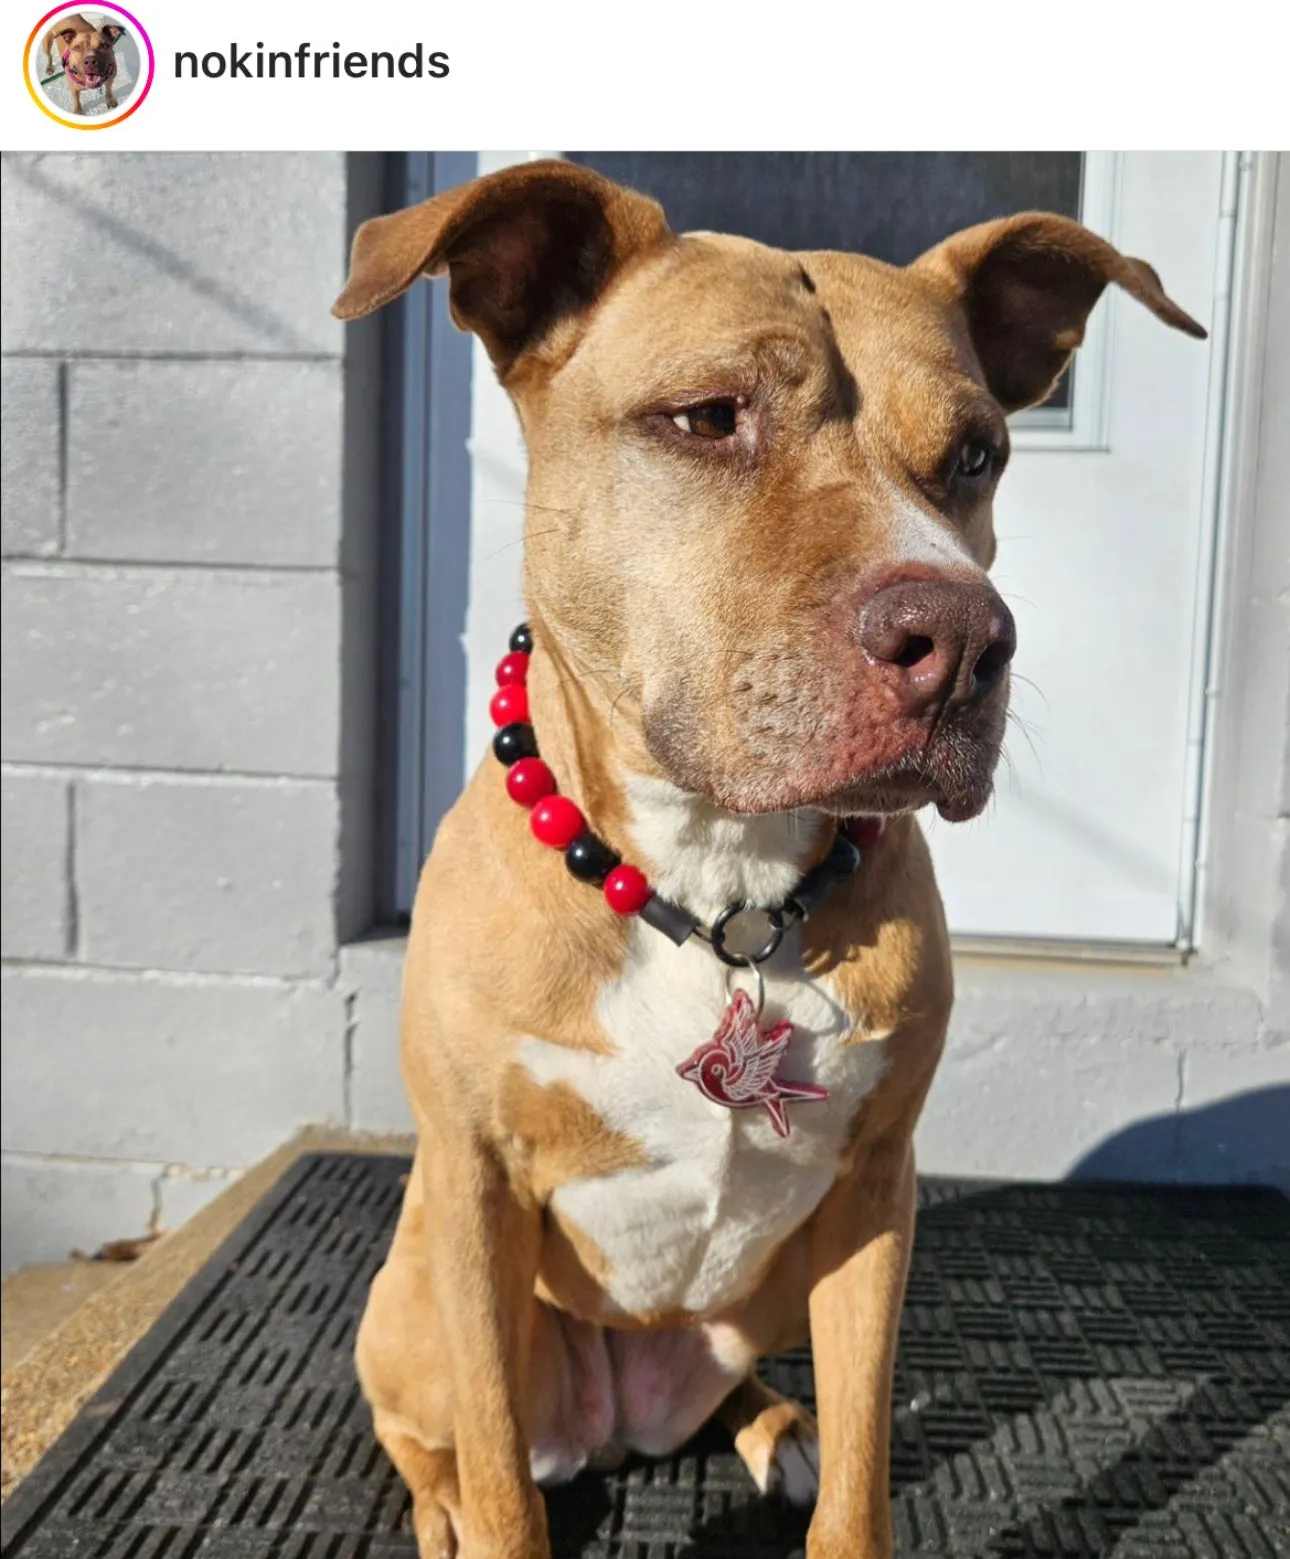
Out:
{"x": 695, "y": 1228}
{"x": 704, "y": 858}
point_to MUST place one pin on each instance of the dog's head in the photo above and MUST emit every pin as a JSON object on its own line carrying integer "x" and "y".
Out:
{"x": 87, "y": 51}
{"x": 761, "y": 482}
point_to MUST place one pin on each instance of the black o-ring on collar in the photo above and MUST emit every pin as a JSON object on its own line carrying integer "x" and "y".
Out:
{"x": 716, "y": 938}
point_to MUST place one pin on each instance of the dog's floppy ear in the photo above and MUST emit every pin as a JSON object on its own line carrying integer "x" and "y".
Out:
{"x": 1026, "y": 286}
{"x": 524, "y": 248}
{"x": 111, "y": 31}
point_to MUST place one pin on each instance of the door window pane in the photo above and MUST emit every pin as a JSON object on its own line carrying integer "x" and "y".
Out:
{"x": 892, "y": 205}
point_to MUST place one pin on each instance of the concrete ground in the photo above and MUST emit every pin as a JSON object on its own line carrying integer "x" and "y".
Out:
{"x": 67, "y": 1325}
{"x": 39, "y": 1299}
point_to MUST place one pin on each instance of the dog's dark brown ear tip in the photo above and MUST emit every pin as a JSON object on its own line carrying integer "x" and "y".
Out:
{"x": 1192, "y": 327}
{"x": 1169, "y": 313}
{"x": 1143, "y": 281}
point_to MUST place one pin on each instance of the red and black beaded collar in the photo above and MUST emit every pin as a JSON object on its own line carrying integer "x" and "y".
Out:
{"x": 558, "y": 822}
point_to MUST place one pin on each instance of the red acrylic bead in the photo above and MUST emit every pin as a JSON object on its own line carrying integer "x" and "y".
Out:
{"x": 556, "y": 821}
{"x": 529, "y": 781}
{"x": 627, "y": 890}
{"x": 509, "y": 704}
{"x": 513, "y": 669}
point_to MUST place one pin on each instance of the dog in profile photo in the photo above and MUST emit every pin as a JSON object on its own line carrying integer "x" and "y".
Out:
{"x": 87, "y": 51}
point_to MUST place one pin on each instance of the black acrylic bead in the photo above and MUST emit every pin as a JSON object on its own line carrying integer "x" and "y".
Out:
{"x": 590, "y": 859}
{"x": 522, "y": 639}
{"x": 515, "y": 741}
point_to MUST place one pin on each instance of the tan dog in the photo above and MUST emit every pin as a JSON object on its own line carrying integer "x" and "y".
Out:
{"x": 759, "y": 521}
{"x": 88, "y": 56}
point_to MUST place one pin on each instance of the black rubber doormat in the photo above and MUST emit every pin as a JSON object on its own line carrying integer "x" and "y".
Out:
{"x": 1083, "y": 1371}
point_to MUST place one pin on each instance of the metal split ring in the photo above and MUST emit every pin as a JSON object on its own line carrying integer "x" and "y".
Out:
{"x": 755, "y": 970}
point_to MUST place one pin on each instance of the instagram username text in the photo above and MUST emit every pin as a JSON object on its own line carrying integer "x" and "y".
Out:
{"x": 306, "y": 62}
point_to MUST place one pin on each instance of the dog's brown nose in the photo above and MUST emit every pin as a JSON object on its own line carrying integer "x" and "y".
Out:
{"x": 949, "y": 639}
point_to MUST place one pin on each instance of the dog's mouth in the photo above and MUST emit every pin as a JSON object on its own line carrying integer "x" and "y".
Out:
{"x": 956, "y": 778}
{"x": 851, "y": 761}
{"x": 92, "y": 73}
{"x": 954, "y": 773}
{"x": 890, "y": 794}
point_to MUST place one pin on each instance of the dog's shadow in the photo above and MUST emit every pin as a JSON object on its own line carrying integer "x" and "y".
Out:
{"x": 698, "y": 1504}
{"x": 580, "y": 1516}
{"x": 738, "y": 1522}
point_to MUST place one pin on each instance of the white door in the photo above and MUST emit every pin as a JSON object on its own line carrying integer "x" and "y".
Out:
{"x": 1105, "y": 522}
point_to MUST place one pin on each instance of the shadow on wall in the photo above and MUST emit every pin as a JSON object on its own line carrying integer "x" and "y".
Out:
{"x": 1244, "y": 1140}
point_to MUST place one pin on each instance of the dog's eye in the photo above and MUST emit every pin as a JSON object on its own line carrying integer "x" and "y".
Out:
{"x": 975, "y": 459}
{"x": 713, "y": 419}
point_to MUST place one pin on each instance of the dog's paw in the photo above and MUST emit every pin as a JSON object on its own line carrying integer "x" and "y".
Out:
{"x": 781, "y": 1449}
{"x": 795, "y": 1468}
{"x": 434, "y": 1532}
{"x": 553, "y": 1461}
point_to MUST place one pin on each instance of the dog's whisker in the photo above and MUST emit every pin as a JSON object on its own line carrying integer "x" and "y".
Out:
{"x": 506, "y": 546}
{"x": 528, "y": 504}
{"x": 1018, "y": 723}
{"x": 613, "y": 708}
{"x": 1022, "y": 600}
{"x": 1031, "y": 683}
{"x": 518, "y": 541}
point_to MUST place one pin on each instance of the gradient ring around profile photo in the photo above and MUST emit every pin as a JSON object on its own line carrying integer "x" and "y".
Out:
{"x": 88, "y": 67}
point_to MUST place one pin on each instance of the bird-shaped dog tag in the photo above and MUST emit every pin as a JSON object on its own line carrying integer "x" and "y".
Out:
{"x": 738, "y": 1065}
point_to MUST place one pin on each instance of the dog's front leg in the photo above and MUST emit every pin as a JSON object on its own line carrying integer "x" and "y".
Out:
{"x": 860, "y": 1256}
{"x": 483, "y": 1249}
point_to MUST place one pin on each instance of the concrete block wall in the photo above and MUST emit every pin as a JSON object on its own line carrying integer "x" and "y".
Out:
{"x": 189, "y": 552}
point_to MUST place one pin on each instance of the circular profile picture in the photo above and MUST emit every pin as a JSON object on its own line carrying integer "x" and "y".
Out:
{"x": 88, "y": 67}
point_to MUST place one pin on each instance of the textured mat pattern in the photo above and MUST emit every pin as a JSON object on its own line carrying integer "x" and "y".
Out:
{"x": 1083, "y": 1371}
